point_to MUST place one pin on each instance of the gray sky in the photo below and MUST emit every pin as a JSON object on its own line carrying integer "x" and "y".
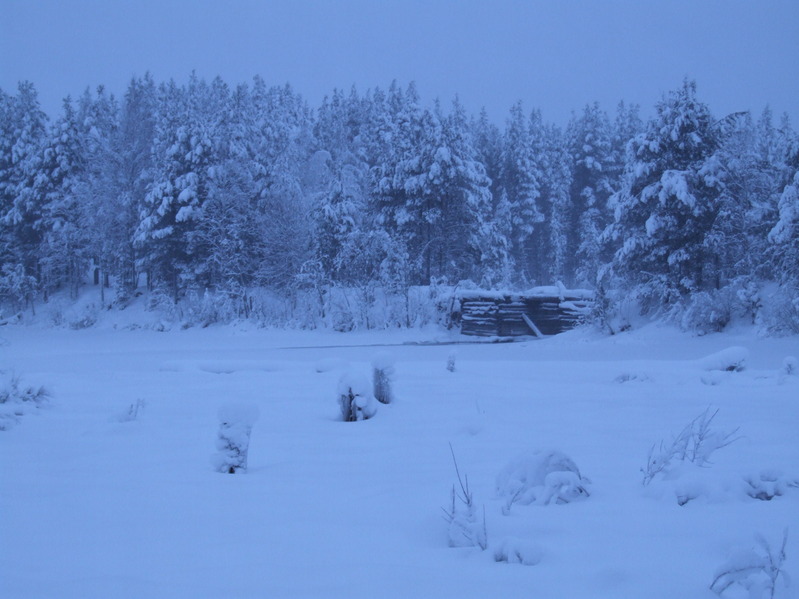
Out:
{"x": 556, "y": 55}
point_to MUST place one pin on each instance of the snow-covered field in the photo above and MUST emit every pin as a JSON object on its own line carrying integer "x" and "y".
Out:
{"x": 109, "y": 489}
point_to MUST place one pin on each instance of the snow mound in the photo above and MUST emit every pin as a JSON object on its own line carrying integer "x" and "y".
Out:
{"x": 328, "y": 364}
{"x": 768, "y": 484}
{"x": 542, "y": 478}
{"x": 732, "y": 359}
{"x": 221, "y": 366}
{"x": 239, "y": 413}
{"x": 638, "y": 377}
{"x": 383, "y": 360}
{"x": 518, "y": 551}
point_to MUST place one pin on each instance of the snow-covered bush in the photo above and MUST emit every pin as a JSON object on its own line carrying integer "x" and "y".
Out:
{"x": 541, "y": 478}
{"x": 638, "y": 377}
{"x": 695, "y": 444}
{"x": 756, "y": 569}
{"x": 383, "y": 377}
{"x": 133, "y": 411}
{"x": 83, "y": 317}
{"x": 790, "y": 366}
{"x": 17, "y": 288}
{"x": 355, "y": 397}
{"x": 708, "y": 311}
{"x": 210, "y": 308}
{"x": 731, "y": 359}
{"x": 779, "y": 314}
{"x": 233, "y": 441}
{"x": 166, "y": 310}
{"x": 451, "y": 361}
{"x": 517, "y": 551}
{"x": 616, "y": 311}
{"x": 466, "y": 528}
{"x": 16, "y": 399}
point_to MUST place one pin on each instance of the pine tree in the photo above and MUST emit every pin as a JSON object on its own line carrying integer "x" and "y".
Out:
{"x": 785, "y": 235}
{"x": 521, "y": 189}
{"x": 22, "y": 207}
{"x": 590, "y": 149}
{"x": 63, "y": 255}
{"x": 667, "y": 206}
{"x": 557, "y": 206}
{"x": 183, "y": 152}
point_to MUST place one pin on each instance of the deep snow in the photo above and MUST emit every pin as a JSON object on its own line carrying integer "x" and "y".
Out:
{"x": 109, "y": 491}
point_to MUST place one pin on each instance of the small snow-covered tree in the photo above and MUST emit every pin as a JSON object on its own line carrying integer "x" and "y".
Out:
{"x": 383, "y": 377}
{"x": 451, "y": 357}
{"x": 790, "y": 366}
{"x": 465, "y": 526}
{"x": 355, "y": 397}
{"x": 233, "y": 442}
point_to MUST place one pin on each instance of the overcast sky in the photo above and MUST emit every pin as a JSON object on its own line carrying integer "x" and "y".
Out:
{"x": 556, "y": 56}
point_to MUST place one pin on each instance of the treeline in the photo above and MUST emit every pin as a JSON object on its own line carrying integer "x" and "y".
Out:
{"x": 203, "y": 187}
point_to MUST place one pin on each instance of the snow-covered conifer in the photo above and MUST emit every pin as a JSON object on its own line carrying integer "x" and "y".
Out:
{"x": 355, "y": 397}
{"x": 233, "y": 441}
{"x": 790, "y": 366}
{"x": 383, "y": 377}
{"x": 451, "y": 357}
{"x": 467, "y": 527}
{"x": 667, "y": 204}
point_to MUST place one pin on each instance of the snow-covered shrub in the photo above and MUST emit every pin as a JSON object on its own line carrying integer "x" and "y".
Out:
{"x": 695, "y": 444}
{"x": 355, "y": 397}
{"x": 790, "y": 366}
{"x": 708, "y": 312}
{"x": 465, "y": 526}
{"x": 615, "y": 311}
{"x": 16, "y": 399}
{"x": 233, "y": 440}
{"x": 16, "y": 288}
{"x": 451, "y": 361}
{"x": 732, "y": 359}
{"x": 779, "y": 314}
{"x": 164, "y": 307}
{"x": 639, "y": 377}
{"x": 84, "y": 317}
{"x": 541, "y": 478}
{"x": 55, "y": 313}
{"x": 383, "y": 377}
{"x": 756, "y": 569}
{"x": 133, "y": 411}
{"x": 210, "y": 308}
{"x": 517, "y": 551}
{"x": 768, "y": 484}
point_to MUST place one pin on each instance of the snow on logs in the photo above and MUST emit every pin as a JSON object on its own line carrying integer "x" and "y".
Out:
{"x": 539, "y": 311}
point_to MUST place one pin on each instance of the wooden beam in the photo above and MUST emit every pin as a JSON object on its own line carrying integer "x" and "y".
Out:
{"x": 531, "y": 324}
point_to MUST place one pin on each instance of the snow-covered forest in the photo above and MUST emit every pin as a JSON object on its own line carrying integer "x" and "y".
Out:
{"x": 227, "y": 196}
